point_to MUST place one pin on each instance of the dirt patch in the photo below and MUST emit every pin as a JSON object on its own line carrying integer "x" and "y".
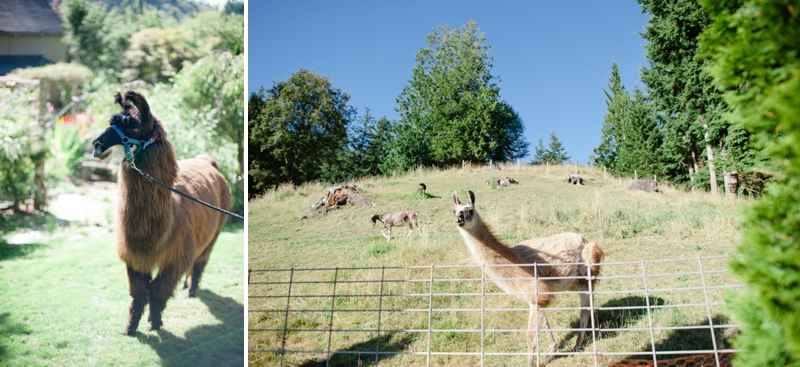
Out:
{"x": 339, "y": 196}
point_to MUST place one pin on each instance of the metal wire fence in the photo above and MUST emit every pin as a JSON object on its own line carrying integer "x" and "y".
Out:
{"x": 648, "y": 310}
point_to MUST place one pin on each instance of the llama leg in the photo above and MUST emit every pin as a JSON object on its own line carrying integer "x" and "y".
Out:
{"x": 410, "y": 230}
{"x": 533, "y": 336}
{"x": 199, "y": 266}
{"x": 161, "y": 289}
{"x": 584, "y": 318}
{"x": 543, "y": 321}
{"x": 383, "y": 232}
{"x": 139, "y": 288}
{"x": 389, "y": 237}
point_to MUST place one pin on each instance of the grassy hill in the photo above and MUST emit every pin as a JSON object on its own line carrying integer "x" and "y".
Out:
{"x": 628, "y": 225}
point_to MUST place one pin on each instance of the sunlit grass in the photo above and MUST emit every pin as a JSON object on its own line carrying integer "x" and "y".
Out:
{"x": 65, "y": 303}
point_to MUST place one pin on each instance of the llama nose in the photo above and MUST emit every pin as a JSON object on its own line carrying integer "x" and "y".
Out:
{"x": 97, "y": 143}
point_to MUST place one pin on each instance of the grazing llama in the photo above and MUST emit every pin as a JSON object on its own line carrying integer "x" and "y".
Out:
{"x": 421, "y": 190}
{"x": 397, "y": 220}
{"x": 559, "y": 249}
{"x": 155, "y": 228}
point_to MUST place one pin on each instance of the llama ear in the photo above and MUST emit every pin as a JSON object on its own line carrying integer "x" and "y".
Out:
{"x": 118, "y": 100}
{"x": 471, "y": 198}
{"x": 455, "y": 198}
{"x": 144, "y": 109}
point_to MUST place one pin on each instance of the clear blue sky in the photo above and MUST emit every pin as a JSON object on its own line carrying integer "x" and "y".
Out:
{"x": 553, "y": 58}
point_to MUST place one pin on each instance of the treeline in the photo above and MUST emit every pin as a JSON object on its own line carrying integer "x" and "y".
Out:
{"x": 303, "y": 129}
{"x": 679, "y": 127}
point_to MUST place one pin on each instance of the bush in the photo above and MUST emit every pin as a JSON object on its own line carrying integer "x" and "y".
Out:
{"x": 17, "y": 145}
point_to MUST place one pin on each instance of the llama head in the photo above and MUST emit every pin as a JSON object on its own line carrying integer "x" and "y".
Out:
{"x": 466, "y": 217}
{"x": 374, "y": 219}
{"x": 135, "y": 122}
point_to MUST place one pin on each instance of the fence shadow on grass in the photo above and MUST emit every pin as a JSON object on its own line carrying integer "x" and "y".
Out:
{"x": 205, "y": 345}
{"x": 693, "y": 339}
{"x": 611, "y": 319}
{"x": 389, "y": 342}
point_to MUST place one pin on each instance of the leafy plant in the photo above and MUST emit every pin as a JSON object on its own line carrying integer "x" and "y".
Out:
{"x": 17, "y": 145}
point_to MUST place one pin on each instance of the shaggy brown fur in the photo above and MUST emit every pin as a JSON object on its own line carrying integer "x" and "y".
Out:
{"x": 398, "y": 219}
{"x": 559, "y": 249}
{"x": 155, "y": 228}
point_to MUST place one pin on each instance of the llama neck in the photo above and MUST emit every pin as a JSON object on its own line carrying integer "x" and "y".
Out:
{"x": 485, "y": 247}
{"x": 145, "y": 207}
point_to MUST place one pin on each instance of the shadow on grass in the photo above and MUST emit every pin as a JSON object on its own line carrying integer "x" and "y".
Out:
{"x": 9, "y": 328}
{"x": 206, "y": 345}
{"x": 612, "y": 319}
{"x": 692, "y": 339}
{"x": 388, "y": 343}
{"x": 8, "y": 252}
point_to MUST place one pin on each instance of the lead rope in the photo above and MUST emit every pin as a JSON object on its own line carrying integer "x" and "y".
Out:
{"x": 155, "y": 181}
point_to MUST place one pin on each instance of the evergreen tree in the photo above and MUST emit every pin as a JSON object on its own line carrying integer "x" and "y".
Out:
{"x": 539, "y": 153}
{"x": 451, "y": 109}
{"x": 299, "y": 134}
{"x": 616, "y": 99}
{"x": 688, "y": 103}
{"x": 756, "y": 61}
{"x": 556, "y": 153}
{"x": 639, "y": 139}
{"x": 369, "y": 146}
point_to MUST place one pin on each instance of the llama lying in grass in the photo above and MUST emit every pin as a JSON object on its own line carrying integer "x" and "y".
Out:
{"x": 397, "y": 220}
{"x": 557, "y": 251}
{"x": 155, "y": 228}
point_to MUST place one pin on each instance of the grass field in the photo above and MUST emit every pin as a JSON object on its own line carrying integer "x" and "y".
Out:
{"x": 64, "y": 302}
{"x": 628, "y": 225}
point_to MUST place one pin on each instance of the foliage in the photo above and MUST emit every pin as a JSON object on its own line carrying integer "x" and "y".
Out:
{"x": 176, "y": 9}
{"x": 755, "y": 59}
{"x": 682, "y": 92}
{"x": 85, "y": 25}
{"x": 539, "y": 153}
{"x": 638, "y": 138}
{"x": 156, "y": 55}
{"x": 451, "y": 109}
{"x": 17, "y": 144}
{"x": 369, "y": 144}
{"x": 556, "y": 153}
{"x": 70, "y": 78}
{"x": 224, "y": 30}
{"x": 214, "y": 85}
{"x": 616, "y": 98}
{"x": 234, "y": 7}
{"x": 66, "y": 144}
{"x": 298, "y": 132}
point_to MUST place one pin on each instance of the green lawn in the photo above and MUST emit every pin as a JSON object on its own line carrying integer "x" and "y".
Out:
{"x": 64, "y": 302}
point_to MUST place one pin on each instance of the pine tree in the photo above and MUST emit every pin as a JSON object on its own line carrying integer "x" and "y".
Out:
{"x": 639, "y": 139}
{"x": 540, "y": 153}
{"x": 616, "y": 99}
{"x": 556, "y": 153}
{"x": 688, "y": 103}
{"x": 755, "y": 57}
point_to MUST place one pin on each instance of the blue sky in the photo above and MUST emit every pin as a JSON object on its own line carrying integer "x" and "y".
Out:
{"x": 553, "y": 58}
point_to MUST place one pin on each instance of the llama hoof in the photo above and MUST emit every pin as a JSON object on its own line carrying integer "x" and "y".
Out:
{"x": 128, "y": 332}
{"x": 191, "y": 295}
{"x": 155, "y": 327}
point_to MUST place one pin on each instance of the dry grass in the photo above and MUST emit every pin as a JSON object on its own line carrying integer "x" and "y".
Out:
{"x": 628, "y": 225}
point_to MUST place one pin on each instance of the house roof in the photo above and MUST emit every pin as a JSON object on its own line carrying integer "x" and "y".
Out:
{"x": 30, "y": 17}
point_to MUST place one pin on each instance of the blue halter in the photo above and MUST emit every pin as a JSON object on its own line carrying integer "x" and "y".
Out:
{"x": 127, "y": 142}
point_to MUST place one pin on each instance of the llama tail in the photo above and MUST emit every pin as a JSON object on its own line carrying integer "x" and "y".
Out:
{"x": 210, "y": 159}
{"x": 594, "y": 255}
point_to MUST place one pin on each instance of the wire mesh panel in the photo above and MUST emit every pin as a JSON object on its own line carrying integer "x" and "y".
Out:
{"x": 641, "y": 312}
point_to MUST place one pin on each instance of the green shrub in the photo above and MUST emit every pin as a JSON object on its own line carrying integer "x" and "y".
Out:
{"x": 17, "y": 146}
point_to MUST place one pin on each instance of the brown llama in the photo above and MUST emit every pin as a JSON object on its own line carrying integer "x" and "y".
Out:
{"x": 558, "y": 253}
{"x": 155, "y": 228}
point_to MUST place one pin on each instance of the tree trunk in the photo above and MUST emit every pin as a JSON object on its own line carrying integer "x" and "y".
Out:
{"x": 731, "y": 180}
{"x": 710, "y": 153}
{"x": 39, "y": 190}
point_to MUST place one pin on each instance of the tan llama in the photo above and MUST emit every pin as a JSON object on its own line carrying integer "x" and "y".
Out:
{"x": 563, "y": 249}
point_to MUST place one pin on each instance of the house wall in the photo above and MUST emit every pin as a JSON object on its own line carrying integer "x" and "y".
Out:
{"x": 48, "y": 46}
